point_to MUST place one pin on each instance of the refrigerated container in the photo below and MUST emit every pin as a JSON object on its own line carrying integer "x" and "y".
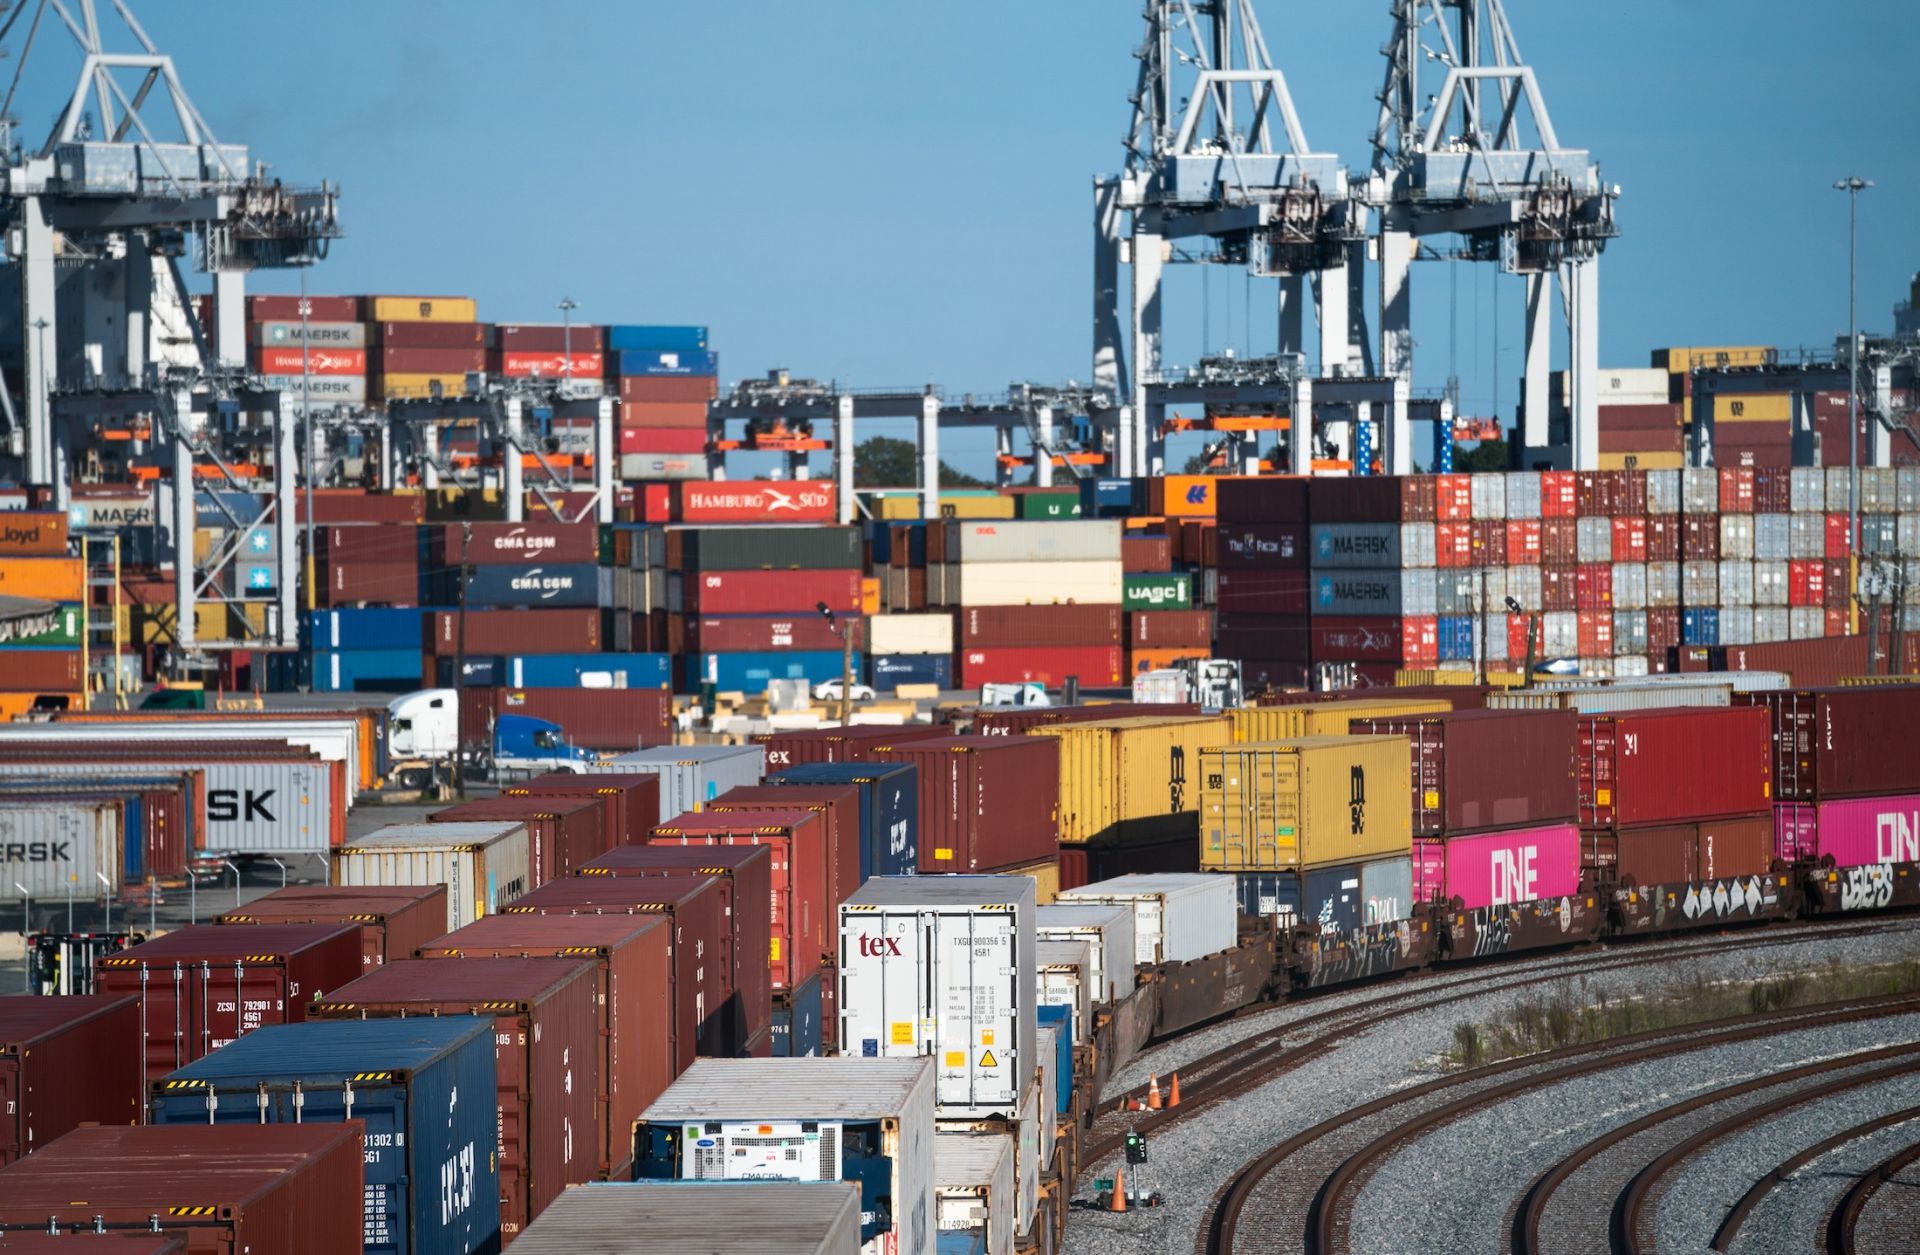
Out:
{"x": 795, "y": 1219}
{"x": 1299, "y": 803}
{"x": 889, "y": 809}
{"x": 432, "y": 1185}
{"x": 1473, "y": 771}
{"x": 1471, "y": 871}
{"x": 986, "y": 803}
{"x": 483, "y": 865}
{"x": 65, "y": 1062}
{"x": 971, "y": 542}
{"x": 1674, "y": 765}
{"x": 546, "y": 1059}
{"x": 1067, "y": 977}
{"x": 394, "y": 920}
{"x": 1176, "y": 918}
{"x": 1107, "y": 929}
{"x": 944, "y": 966}
{"x": 864, "y": 1120}
{"x": 633, "y": 961}
{"x": 690, "y": 775}
{"x": 562, "y": 833}
{"x": 974, "y": 1187}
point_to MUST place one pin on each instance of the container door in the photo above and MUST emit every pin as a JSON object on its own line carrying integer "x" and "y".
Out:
{"x": 885, "y": 985}
{"x": 236, "y": 998}
{"x": 513, "y": 1050}
{"x": 975, "y": 994}
{"x": 1147, "y": 913}
{"x": 388, "y": 1182}
{"x": 166, "y": 991}
{"x": 11, "y": 1116}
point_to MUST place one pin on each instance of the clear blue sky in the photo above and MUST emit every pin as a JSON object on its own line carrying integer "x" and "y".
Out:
{"x": 891, "y": 194}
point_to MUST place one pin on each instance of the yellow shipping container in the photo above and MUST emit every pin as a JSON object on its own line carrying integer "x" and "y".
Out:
{"x": 50, "y": 579}
{"x": 1649, "y": 461}
{"x": 1131, "y": 776}
{"x": 1422, "y": 677}
{"x": 1045, "y": 877}
{"x": 401, "y": 386}
{"x": 212, "y": 621}
{"x": 1284, "y": 723}
{"x": 422, "y": 309}
{"x": 977, "y": 507}
{"x": 1753, "y": 407}
{"x": 1310, "y": 802}
{"x": 1680, "y": 361}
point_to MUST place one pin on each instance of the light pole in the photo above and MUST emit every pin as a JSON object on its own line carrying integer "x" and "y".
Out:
{"x": 846, "y": 662}
{"x": 567, "y": 306}
{"x": 1853, "y": 185}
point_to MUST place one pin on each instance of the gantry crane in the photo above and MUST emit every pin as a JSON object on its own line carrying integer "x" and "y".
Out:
{"x": 1459, "y": 162}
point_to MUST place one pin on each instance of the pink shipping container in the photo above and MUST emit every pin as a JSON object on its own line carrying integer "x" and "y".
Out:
{"x": 1498, "y": 868}
{"x": 1856, "y": 832}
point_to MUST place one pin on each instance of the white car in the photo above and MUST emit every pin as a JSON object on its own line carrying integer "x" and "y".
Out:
{"x": 829, "y": 691}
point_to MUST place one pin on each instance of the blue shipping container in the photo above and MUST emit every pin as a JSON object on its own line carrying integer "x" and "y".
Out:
{"x": 1326, "y": 896}
{"x": 634, "y": 671}
{"x": 548, "y": 585}
{"x": 425, "y": 1086}
{"x": 482, "y": 671}
{"x": 892, "y": 670}
{"x": 665, "y": 362}
{"x": 1060, "y": 1018}
{"x": 361, "y": 670}
{"x": 1112, "y": 498}
{"x": 750, "y": 672}
{"x": 796, "y": 1021}
{"x": 1456, "y": 637}
{"x": 1700, "y": 627}
{"x": 889, "y": 810}
{"x": 626, "y": 337}
{"x": 362, "y": 629}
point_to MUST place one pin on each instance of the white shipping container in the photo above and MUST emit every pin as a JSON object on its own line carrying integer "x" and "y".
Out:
{"x": 1770, "y": 586}
{"x": 910, "y": 634}
{"x": 1806, "y": 536}
{"x": 1629, "y": 632}
{"x": 1771, "y": 624}
{"x": 1906, "y": 489}
{"x": 1523, "y": 585}
{"x": 1559, "y": 634}
{"x": 1736, "y": 589}
{"x": 1699, "y": 490}
{"x": 1663, "y": 492}
{"x": 1176, "y": 917}
{"x": 1602, "y": 667}
{"x": 1033, "y": 583}
{"x": 1005, "y": 540}
{"x": 484, "y": 865}
{"x": 1629, "y": 586}
{"x": 1700, "y": 584}
{"x": 1736, "y": 537}
{"x": 1047, "y": 1101}
{"x": 887, "y": 1103}
{"x": 690, "y": 775}
{"x": 1807, "y": 490}
{"x": 249, "y": 807}
{"x": 1629, "y": 665}
{"x": 329, "y": 740}
{"x": 1879, "y": 490}
{"x": 1523, "y": 494}
{"x": 1417, "y": 545}
{"x": 1065, "y": 979}
{"x": 1490, "y": 496}
{"x": 1491, "y": 636}
{"x": 1108, "y": 932}
{"x": 1593, "y": 539}
{"x": 1736, "y": 625}
{"x": 1419, "y": 592}
{"x": 53, "y": 849}
{"x": 1772, "y": 537}
{"x": 1906, "y": 535}
{"x": 1663, "y": 585}
{"x": 1838, "y": 480}
{"x": 812, "y": 1219}
{"x": 973, "y": 1187}
{"x": 944, "y": 966}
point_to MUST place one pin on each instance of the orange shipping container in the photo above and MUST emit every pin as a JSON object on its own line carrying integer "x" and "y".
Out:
{"x": 43, "y": 535}
{"x": 52, "y": 579}
{"x": 1142, "y": 660}
{"x": 1184, "y": 496}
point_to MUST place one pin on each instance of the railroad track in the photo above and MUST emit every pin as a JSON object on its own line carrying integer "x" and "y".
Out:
{"x": 1300, "y": 1196}
{"x": 1251, "y": 1062}
{"x": 1890, "y": 1218}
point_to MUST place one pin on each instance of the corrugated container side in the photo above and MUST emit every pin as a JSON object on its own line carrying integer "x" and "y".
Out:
{"x": 1176, "y": 918}
{"x": 1473, "y": 871}
{"x": 1667, "y": 766}
{"x": 484, "y": 866}
{"x": 889, "y": 809}
{"x": 1107, "y": 929}
{"x": 801, "y": 1219}
{"x": 1132, "y": 775}
{"x": 394, "y": 920}
{"x": 65, "y": 1062}
{"x": 1473, "y": 771}
{"x": 1304, "y": 802}
{"x": 986, "y": 803}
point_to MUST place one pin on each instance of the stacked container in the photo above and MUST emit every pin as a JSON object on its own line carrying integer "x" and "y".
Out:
{"x": 484, "y": 865}
{"x": 664, "y": 379}
{"x": 1263, "y": 554}
{"x": 65, "y": 1062}
{"x": 41, "y": 655}
{"x": 910, "y": 649}
{"x": 1035, "y": 601}
{"x": 312, "y": 349}
{"x": 422, "y": 346}
{"x": 749, "y": 598}
{"x": 987, "y": 804}
{"x": 394, "y": 920}
{"x": 557, "y": 353}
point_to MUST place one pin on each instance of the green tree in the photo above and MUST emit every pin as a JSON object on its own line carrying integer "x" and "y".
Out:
{"x": 1488, "y": 455}
{"x": 884, "y": 462}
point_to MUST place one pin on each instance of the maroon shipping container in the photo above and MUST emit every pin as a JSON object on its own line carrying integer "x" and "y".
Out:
{"x": 987, "y": 803}
{"x": 633, "y": 962}
{"x": 600, "y": 719}
{"x": 44, "y": 670}
{"x": 21, "y": 1243}
{"x": 1841, "y": 742}
{"x": 1019, "y": 722}
{"x": 1148, "y": 555}
{"x": 744, "y": 875}
{"x": 394, "y": 920}
{"x": 1673, "y": 854}
{"x": 1094, "y": 666}
{"x": 66, "y": 1061}
{"x": 765, "y": 592}
{"x": 1267, "y": 592}
{"x": 751, "y": 633}
{"x": 1261, "y": 546}
{"x": 633, "y": 800}
{"x": 368, "y": 543}
{"x": 201, "y": 987}
{"x": 702, "y": 977}
{"x": 1288, "y": 637}
{"x": 1261, "y": 499}
{"x": 1171, "y": 629}
{"x": 1663, "y": 538}
{"x": 1559, "y": 542}
{"x": 1013, "y": 627}
{"x": 1483, "y": 770}
{"x": 1373, "y": 499}
{"x": 836, "y": 744}
{"x": 353, "y": 505}
{"x": 564, "y": 833}
{"x": 1667, "y": 766}
{"x": 546, "y": 1045}
{"x": 1700, "y": 538}
{"x": 646, "y": 389}
{"x": 226, "y": 1189}
{"x": 513, "y": 544}
{"x": 428, "y": 335}
{"x": 507, "y": 632}
{"x": 296, "y": 308}
{"x": 511, "y": 337}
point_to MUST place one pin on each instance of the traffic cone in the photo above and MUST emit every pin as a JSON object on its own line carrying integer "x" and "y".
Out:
{"x": 1118, "y": 1202}
{"x": 1173, "y": 1091}
{"x": 1153, "y": 1093}
{"x": 1133, "y": 1104}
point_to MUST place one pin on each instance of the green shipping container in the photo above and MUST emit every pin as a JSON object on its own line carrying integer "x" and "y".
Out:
{"x": 1157, "y": 592}
{"x": 1050, "y": 505}
{"x": 69, "y": 625}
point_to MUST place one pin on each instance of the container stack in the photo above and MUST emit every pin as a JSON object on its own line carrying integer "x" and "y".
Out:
{"x": 550, "y": 352}
{"x": 1261, "y": 584}
{"x": 1036, "y": 601}
{"x": 747, "y": 599}
{"x": 43, "y": 595}
{"x": 313, "y": 349}
{"x": 664, "y": 379}
{"x": 422, "y": 346}
{"x": 1642, "y": 425}
{"x": 911, "y": 649}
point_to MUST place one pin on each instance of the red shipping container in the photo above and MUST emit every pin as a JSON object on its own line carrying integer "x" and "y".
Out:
{"x": 546, "y": 1046}
{"x": 44, "y": 671}
{"x": 1171, "y": 629}
{"x": 649, "y": 415}
{"x": 702, "y": 940}
{"x": 1523, "y": 542}
{"x": 600, "y": 719}
{"x": 1517, "y": 627}
{"x": 317, "y": 361}
{"x": 1700, "y": 538}
{"x": 1595, "y": 633}
{"x": 554, "y": 337}
{"x": 201, "y": 987}
{"x": 1839, "y": 589}
{"x": 1806, "y": 582}
{"x": 1663, "y": 630}
{"x": 1840, "y": 742}
{"x": 507, "y": 632}
{"x": 348, "y": 583}
{"x": 1839, "y": 533}
{"x": 1663, "y": 538}
{"x": 834, "y": 744}
{"x": 1149, "y": 555}
{"x": 1558, "y": 588}
{"x": 1736, "y": 490}
{"x": 634, "y": 967}
{"x": 1593, "y": 588}
{"x": 514, "y": 544}
{"x": 645, "y": 389}
{"x": 746, "y": 633}
{"x": 547, "y": 364}
{"x": 766, "y": 592}
{"x": 1559, "y": 542}
{"x": 295, "y": 308}
{"x": 429, "y": 335}
{"x": 1559, "y": 495}
{"x": 632, "y": 799}
{"x": 394, "y": 920}
{"x": 563, "y": 833}
{"x": 1096, "y": 667}
{"x": 1002, "y": 627}
{"x": 1452, "y": 497}
{"x": 223, "y": 1189}
{"x": 743, "y": 874}
{"x": 1475, "y": 771}
{"x": 1256, "y": 546}
{"x": 21, "y": 1243}
{"x": 1453, "y": 544}
{"x": 1673, "y": 765}
{"x": 1265, "y": 592}
{"x": 661, "y": 439}
{"x": 758, "y": 501}
{"x": 987, "y": 803}
{"x": 1679, "y": 854}
{"x": 1839, "y": 622}
{"x": 1630, "y": 538}
{"x": 65, "y": 1062}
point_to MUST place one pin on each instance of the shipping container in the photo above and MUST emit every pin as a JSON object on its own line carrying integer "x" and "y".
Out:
{"x": 1131, "y": 776}
{"x": 1335, "y": 898}
{"x": 1472, "y": 871}
{"x": 58, "y": 847}
{"x": 755, "y": 673}
{"x": 225, "y": 1189}
{"x": 908, "y": 634}
{"x": 394, "y": 920}
{"x": 201, "y": 987}
{"x": 1671, "y": 765}
{"x": 757, "y": 502}
{"x": 563, "y": 833}
{"x": 1025, "y": 627}
{"x": 1106, "y": 930}
{"x": 889, "y": 809}
{"x": 432, "y": 1186}
{"x": 753, "y": 1215}
{"x": 33, "y": 534}
{"x": 627, "y": 671}
{"x": 1303, "y": 802}
{"x": 632, "y": 801}
{"x": 1849, "y": 832}
{"x": 65, "y": 1062}
{"x": 1845, "y": 742}
{"x": 944, "y": 966}
{"x": 1473, "y": 771}
{"x": 747, "y": 633}
{"x": 974, "y": 1189}
{"x": 986, "y": 803}
{"x": 513, "y": 544}
{"x": 1176, "y": 918}
{"x": 1095, "y": 667}
{"x": 506, "y": 632}
{"x": 690, "y": 775}
{"x": 896, "y": 671}
{"x": 632, "y": 957}
{"x": 1020, "y": 542}
{"x": 60, "y": 578}
{"x": 799, "y": 1019}
{"x": 484, "y": 865}
{"x": 1329, "y": 718}
{"x": 869, "y": 1121}
{"x": 763, "y": 548}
